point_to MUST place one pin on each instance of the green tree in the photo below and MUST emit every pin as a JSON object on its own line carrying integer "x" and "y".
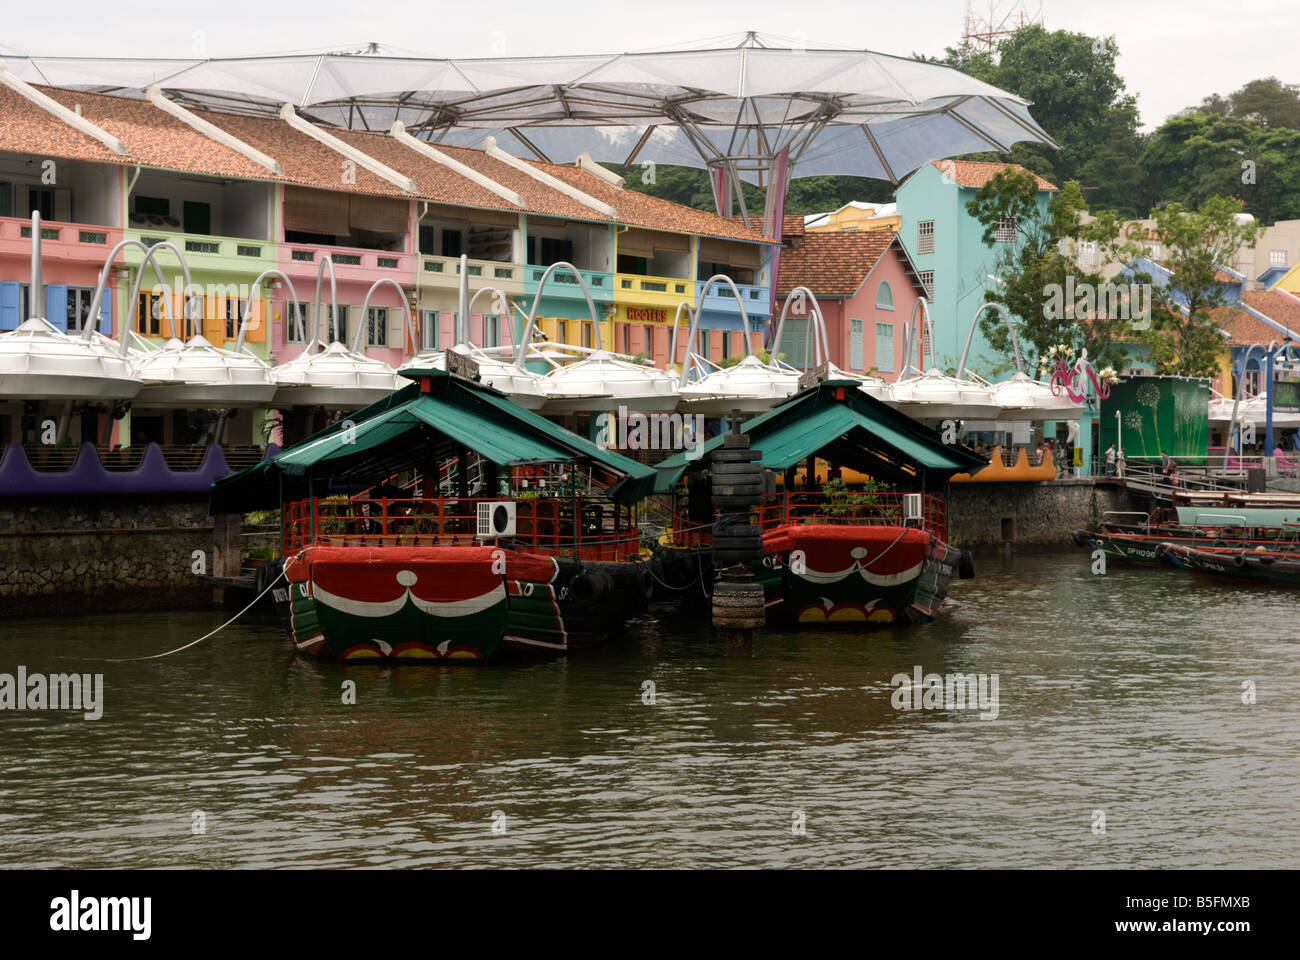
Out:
{"x": 1183, "y": 339}
{"x": 1269, "y": 100}
{"x": 1038, "y": 269}
{"x": 1193, "y": 157}
{"x": 1079, "y": 99}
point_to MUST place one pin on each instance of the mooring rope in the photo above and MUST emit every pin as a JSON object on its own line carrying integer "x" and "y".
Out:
{"x": 285, "y": 569}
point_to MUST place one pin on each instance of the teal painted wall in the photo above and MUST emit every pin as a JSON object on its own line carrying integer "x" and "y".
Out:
{"x": 961, "y": 263}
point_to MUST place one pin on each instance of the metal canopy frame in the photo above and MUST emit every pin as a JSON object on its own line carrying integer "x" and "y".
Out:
{"x": 732, "y": 107}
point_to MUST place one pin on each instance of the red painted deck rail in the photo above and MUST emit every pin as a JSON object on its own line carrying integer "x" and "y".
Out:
{"x": 860, "y": 509}
{"x": 603, "y": 530}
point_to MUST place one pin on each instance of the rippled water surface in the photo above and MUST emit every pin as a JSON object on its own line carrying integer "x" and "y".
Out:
{"x": 1119, "y": 693}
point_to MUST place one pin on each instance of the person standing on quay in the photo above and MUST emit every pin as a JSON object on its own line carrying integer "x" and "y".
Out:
{"x": 1110, "y": 460}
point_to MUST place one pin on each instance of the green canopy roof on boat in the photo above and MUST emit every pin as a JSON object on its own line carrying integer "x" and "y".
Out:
{"x": 838, "y": 422}
{"x": 439, "y": 409}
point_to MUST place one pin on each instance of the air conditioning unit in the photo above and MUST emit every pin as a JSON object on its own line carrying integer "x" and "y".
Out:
{"x": 913, "y": 512}
{"x": 496, "y": 520}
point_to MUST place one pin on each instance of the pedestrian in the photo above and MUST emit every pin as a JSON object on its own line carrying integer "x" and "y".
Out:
{"x": 1110, "y": 460}
{"x": 1164, "y": 462}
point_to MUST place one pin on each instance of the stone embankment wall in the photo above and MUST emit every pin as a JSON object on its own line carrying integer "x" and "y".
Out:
{"x": 991, "y": 514}
{"x": 107, "y": 553}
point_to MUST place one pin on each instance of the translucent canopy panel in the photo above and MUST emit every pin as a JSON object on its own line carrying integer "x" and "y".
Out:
{"x": 737, "y": 103}
{"x": 197, "y": 374}
{"x": 750, "y": 387}
{"x": 936, "y": 396}
{"x": 1023, "y": 398}
{"x": 335, "y": 378}
{"x": 602, "y": 381}
{"x": 38, "y": 362}
{"x": 522, "y": 386}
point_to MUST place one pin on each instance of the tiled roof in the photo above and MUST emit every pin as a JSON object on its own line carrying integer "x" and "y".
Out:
{"x": 832, "y": 264}
{"x": 1242, "y": 328}
{"x": 976, "y": 173}
{"x": 1279, "y": 306}
{"x": 153, "y": 138}
{"x": 643, "y": 210}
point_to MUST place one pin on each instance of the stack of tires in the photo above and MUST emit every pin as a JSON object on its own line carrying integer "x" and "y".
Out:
{"x": 737, "y": 489}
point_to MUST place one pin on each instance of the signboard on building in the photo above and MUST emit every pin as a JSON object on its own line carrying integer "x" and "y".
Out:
{"x": 1158, "y": 413}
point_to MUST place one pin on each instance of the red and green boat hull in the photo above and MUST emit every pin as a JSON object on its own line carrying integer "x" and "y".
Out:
{"x": 452, "y": 603}
{"x": 844, "y": 575}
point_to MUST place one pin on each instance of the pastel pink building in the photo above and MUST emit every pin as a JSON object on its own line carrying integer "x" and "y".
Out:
{"x": 866, "y": 285}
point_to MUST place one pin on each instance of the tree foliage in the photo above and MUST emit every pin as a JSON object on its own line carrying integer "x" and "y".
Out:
{"x": 1038, "y": 269}
{"x": 1183, "y": 339}
{"x": 1194, "y": 157}
{"x": 1080, "y": 100}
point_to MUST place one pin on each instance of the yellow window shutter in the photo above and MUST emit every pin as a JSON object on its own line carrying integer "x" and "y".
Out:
{"x": 214, "y": 320}
{"x": 256, "y": 322}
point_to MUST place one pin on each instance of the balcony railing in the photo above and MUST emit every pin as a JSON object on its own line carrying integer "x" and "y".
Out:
{"x": 306, "y": 258}
{"x": 757, "y": 299}
{"x": 586, "y": 527}
{"x": 200, "y": 249}
{"x": 563, "y": 284}
{"x": 445, "y": 271}
{"x": 676, "y": 287}
{"x": 76, "y": 239}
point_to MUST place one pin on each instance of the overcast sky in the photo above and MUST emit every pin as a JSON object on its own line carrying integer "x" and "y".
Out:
{"x": 1171, "y": 53}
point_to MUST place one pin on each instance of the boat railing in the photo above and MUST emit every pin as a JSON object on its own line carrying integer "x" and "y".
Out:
{"x": 585, "y": 527}
{"x": 814, "y": 507}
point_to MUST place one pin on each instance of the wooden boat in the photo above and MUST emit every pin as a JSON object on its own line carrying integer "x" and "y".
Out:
{"x": 1258, "y": 567}
{"x": 440, "y": 571}
{"x": 833, "y": 554}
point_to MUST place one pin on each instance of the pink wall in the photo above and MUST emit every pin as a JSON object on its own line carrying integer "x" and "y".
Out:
{"x": 352, "y": 282}
{"x": 862, "y": 306}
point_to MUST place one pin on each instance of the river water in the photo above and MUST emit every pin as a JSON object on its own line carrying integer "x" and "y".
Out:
{"x": 1119, "y": 696}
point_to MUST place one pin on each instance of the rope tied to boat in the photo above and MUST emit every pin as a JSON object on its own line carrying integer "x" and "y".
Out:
{"x": 157, "y": 656}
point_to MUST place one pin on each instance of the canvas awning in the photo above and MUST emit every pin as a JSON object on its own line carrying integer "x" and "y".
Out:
{"x": 836, "y": 421}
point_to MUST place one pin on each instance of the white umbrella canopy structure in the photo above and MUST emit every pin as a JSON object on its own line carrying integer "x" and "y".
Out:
{"x": 601, "y": 380}
{"x": 734, "y": 102}
{"x": 750, "y": 386}
{"x": 38, "y": 362}
{"x": 334, "y": 378}
{"x": 524, "y": 387}
{"x": 933, "y": 394}
{"x": 198, "y": 374}
{"x": 936, "y": 396}
{"x": 1023, "y": 398}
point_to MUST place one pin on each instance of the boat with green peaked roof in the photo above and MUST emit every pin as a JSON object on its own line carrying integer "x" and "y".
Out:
{"x": 446, "y": 522}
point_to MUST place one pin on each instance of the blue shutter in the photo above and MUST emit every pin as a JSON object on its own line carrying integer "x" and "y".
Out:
{"x": 56, "y": 305}
{"x": 855, "y": 345}
{"x": 106, "y": 314}
{"x": 11, "y": 300}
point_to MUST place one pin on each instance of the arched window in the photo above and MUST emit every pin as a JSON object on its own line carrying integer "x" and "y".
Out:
{"x": 884, "y": 296}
